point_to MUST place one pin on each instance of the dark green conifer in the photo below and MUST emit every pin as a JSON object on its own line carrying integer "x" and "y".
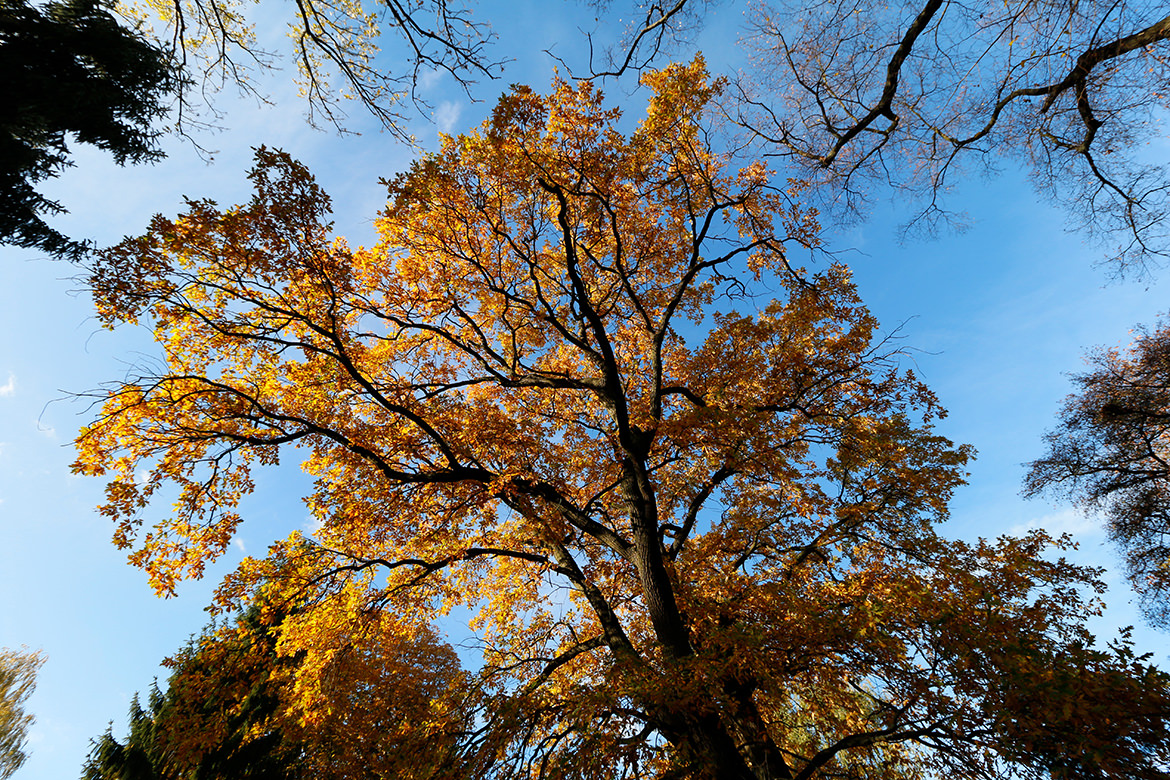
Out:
{"x": 71, "y": 71}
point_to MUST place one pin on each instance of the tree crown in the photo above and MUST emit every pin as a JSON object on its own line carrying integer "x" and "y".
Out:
{"x": 693, "y": 540}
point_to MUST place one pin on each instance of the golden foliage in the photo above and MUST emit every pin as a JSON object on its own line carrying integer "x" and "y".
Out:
{"x": 374, "y": 701}
{"x": 694, "y": 540}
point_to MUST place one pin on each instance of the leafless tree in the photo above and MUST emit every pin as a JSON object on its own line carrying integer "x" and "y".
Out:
{"x": 655, "y": 29}
{"x": 335, "y": 44}
{"x": 860, "y": 94}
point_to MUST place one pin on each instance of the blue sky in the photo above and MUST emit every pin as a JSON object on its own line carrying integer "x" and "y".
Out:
{"x": 999, "y": 315}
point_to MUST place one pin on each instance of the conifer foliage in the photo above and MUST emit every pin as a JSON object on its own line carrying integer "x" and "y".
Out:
{"x": 71, "y": 72}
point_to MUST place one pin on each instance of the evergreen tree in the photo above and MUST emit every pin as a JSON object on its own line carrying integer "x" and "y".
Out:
{"x": 215, "y": 720}
{"x": 69, "y": 69}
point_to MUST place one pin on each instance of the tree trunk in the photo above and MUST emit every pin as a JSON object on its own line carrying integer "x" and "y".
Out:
{"x": 706, "y": 750}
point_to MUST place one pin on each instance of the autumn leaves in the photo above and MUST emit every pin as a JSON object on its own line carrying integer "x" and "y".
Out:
{"x": 556, "y": 375}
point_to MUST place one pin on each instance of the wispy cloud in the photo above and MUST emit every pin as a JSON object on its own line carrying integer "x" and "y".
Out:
{"x": 428, "y": 79}
{"x": 447, "y": 115}
{"x": 9, "y": 387}
{"x": 240, "y": 544}
{"x": 312, "y": 525}
{"x": 1066, "y": 521}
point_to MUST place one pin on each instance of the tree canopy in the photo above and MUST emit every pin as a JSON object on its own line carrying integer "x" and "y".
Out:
{"x": 334, "y": 45}
{"x": 1110, "y": 452}
{"x": 234, "y": 707}
{"x": 18, "y": 678}
{"x": 71, "y": 71}
{"x": 592, "y": 386}
{"x": 863, "y": 95}
{"x": 217, "y": 718}
{"x": 96, "y": 73}
{"x": 343, "y": 50}
{"x": 860, "y": 97}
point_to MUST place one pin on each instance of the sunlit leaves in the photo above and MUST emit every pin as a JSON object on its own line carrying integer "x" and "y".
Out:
{"x": 693, "y": 526}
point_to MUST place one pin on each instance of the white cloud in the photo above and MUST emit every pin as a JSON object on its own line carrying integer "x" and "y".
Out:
{"x": 428, "y": 79}
{"x": 1066, "y": 521}
{"x": 9, "y": 387}
{"x": 447, "y": 115}
{"x": 312, "y": 525}
{"x": 36, "y": 734}
{"x": 240, "y": 544}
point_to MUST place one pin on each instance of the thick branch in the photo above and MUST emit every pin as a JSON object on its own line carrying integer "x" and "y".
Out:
{"x": 884, "y": 106}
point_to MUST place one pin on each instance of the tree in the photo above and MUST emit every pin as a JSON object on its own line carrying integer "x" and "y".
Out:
{"x": 235, "y": 707}
{"x": 70, "y": 71}
{"x": 18, "y": 678}
{"x": 911, "y": 94}
{"x": 652, "y": 31}
{"x": 1110, "y": 453}
{"x": 694, "y": 542}
{"x": 142, "y": 756}
{"x": 217, "y": 718}
{"x": 334, "y": 45}
{"x": 74, "y": 69}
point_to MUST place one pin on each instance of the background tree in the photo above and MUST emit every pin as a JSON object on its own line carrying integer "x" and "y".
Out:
{"x": 143, "y": 756}
{"x": 76, "y": 70}
{"x": 864, "y": 97}
{"x": 652, "y": 32}
{"x": 216, "y": 719}
{"x": 70, "y": 71}
{"x": 908, "y": 95}
{"x": 334, "y": 45}
{"x": 18, "y": 677}
{"x": 856, "y": 95}
{"x": 1111, "y": 453}
{"x": 235, "y": 706}
{"x": 695, "y": 542}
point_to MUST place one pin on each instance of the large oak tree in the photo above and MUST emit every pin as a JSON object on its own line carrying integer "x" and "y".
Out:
{"x": 586, "y": 389}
